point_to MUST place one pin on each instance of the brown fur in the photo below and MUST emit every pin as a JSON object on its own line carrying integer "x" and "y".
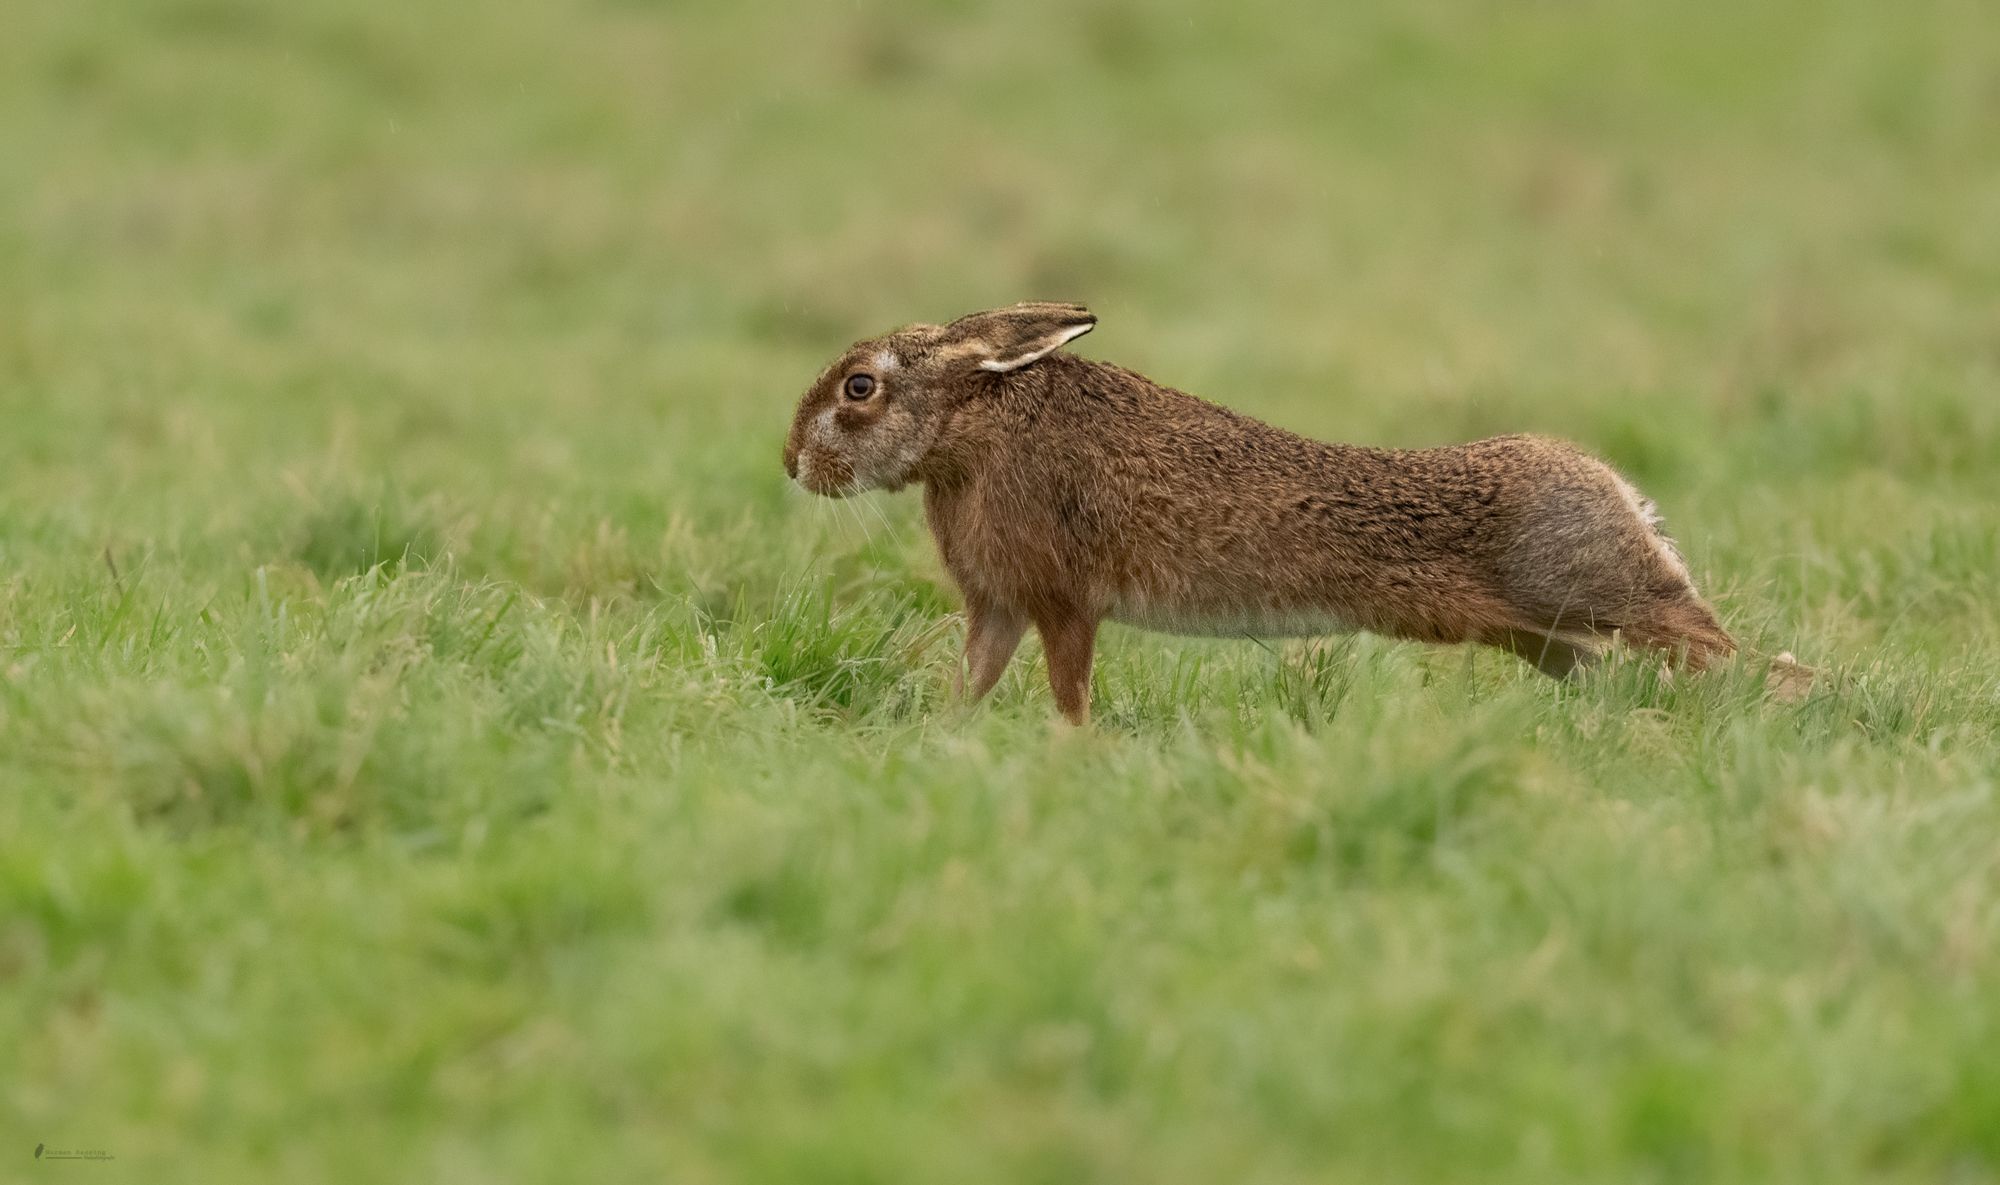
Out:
{"x": 1062, "y": 491}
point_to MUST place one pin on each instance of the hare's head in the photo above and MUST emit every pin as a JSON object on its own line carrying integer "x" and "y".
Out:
{"x": 872, "y": 417}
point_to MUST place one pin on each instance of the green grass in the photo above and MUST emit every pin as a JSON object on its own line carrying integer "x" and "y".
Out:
{"x": 436, "y": 744}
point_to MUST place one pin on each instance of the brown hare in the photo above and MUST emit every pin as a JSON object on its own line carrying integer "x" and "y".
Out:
{"x": 1062, "y": 492}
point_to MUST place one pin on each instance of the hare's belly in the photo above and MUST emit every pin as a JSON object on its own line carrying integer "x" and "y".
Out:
{"x": 1228, "y": 621}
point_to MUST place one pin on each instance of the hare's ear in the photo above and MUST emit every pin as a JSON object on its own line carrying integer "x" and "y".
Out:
{"x": 1010, "y": 338}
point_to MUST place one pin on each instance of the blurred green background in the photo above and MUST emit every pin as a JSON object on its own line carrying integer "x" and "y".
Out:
{"x": 436, "y": 743}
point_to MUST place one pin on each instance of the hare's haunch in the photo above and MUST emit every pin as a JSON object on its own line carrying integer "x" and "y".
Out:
{"x": 1063, "y": 491}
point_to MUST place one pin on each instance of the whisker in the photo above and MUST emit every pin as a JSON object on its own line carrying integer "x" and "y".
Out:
{"x": 859, "y": 521}
{"x": 875, "y": 505}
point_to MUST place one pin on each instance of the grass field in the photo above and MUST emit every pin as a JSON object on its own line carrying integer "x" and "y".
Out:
{"x": 437, "y": 745}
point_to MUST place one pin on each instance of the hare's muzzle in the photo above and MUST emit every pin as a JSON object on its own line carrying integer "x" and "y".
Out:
{"x": 816, "y": 470}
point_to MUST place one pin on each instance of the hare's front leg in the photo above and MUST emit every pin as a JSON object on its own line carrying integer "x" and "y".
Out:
{"x": 1069, "y": 639}
{"x": 991, "y": 636}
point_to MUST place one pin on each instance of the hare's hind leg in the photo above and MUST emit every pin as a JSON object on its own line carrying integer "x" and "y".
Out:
{"x": 1550, "y": 655}
{"x": 1686, "y": 629}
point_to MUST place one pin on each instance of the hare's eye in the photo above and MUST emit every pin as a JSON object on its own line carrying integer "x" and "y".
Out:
{"x": 858, "y": 386}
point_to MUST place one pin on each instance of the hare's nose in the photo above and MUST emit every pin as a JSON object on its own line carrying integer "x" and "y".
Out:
{"x": 791, "y": 464}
